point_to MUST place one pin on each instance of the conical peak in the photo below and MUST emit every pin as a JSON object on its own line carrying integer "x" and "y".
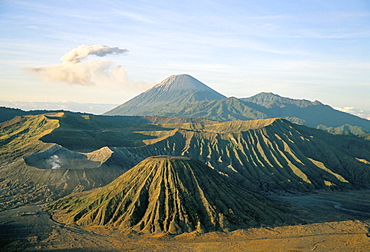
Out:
{"x": 152, "y": 166}
{"x": 156, "y": 164}
{"x": 181, "y": 82}
{"x": 172, "y": 92}
{"x": 166, "y": 194}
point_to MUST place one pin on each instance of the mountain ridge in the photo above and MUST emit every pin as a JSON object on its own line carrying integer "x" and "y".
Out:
{"x": 173, "y": 98}
{"x": 186, "y": 97}
{"x": 88, "y": 151}
{"x": 269, "y": 99}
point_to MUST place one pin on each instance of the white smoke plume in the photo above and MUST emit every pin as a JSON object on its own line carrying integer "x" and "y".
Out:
{"x": 89, "y": 72}
{"x": 83, "y": 51}
{"x": 55, "y": 162}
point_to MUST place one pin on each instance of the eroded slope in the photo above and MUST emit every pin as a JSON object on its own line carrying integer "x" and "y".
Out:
{"x": 270, "y": 154}
{"x": 167, "y": 194}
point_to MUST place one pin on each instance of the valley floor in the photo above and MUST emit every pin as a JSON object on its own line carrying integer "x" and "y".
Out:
{"x": 337, "y": 221}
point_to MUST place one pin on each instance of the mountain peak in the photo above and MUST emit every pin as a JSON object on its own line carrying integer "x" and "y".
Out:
{"x": 266, "y": 96}
{"x": 181, "y": 82}
{"x": 168, "y": 194}
{"x": 174, "y": 91}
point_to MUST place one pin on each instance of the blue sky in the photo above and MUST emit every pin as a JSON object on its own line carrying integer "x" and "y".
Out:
{"x": 317, "y": 50}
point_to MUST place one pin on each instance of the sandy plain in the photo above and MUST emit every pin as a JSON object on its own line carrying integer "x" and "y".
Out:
{"x": 335, "y": 221}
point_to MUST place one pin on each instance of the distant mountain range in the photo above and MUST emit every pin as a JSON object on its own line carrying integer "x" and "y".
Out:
{"x": 185, "y": 96}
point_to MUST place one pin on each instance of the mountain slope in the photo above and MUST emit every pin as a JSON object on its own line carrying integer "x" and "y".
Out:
{"x": 47, "y": 156}
{"x": 313, "y": 114}
{"x": 270, "y": 100}
{"x": 20, "y": 136}
{"x": 22, "y": 184}
{"x": 32, "y": 171}
{"x": 184, "y": 96}
{"x": 171, "y": 92}
{"x": 87, "y": 151}
{"x": 169, "y": 195}
{"x": 267, "y": 105}
{"x": 9, "y": 113}
{"x": 270, "y": 154}
{"x": 227, "y": 109}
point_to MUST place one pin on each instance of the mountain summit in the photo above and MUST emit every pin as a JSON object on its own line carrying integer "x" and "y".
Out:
{"x": 174, "y": 91}
{"x": 181, "y": 82}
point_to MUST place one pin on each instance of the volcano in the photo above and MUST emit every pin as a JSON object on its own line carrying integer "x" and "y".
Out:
{"x": 174, "y": 91}
{"x": 184, "y": 96}
{"x": 166, "y": 194}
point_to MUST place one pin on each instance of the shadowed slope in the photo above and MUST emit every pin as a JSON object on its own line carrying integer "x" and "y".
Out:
{"x": 227, "y": 109}
{"x": 270, "y": 154}
{"x": 184, "y": 96}
{"x": 313, "y": 114}
{"x": 170, "y": 195}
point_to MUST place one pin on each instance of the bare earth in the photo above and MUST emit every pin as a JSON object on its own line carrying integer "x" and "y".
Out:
{"x": 337, "y": 221}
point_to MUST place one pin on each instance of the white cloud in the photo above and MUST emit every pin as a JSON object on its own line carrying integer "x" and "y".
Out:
{"x": 358, "y": 112}
{"x": 89, "y": 72}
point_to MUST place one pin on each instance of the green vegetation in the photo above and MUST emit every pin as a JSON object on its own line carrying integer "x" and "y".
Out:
{"x": 227, "y": 109}
{"x": 191, "y": 103}
{"x": 9, "y": 113}
{"x": 267, "y": 105}
{"x": 344, "y": 129}
{"x": 20, "y": 136}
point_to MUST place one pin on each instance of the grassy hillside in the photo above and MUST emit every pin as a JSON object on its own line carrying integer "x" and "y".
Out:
{"x": 20, "y": 136}
{"x": 9, "y": 113}
{"x": 88, "y": 132}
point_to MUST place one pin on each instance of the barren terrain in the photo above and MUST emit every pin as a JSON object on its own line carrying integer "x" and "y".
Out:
{"x": 47, "y": 157}
{"x": 336, "y": 221}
